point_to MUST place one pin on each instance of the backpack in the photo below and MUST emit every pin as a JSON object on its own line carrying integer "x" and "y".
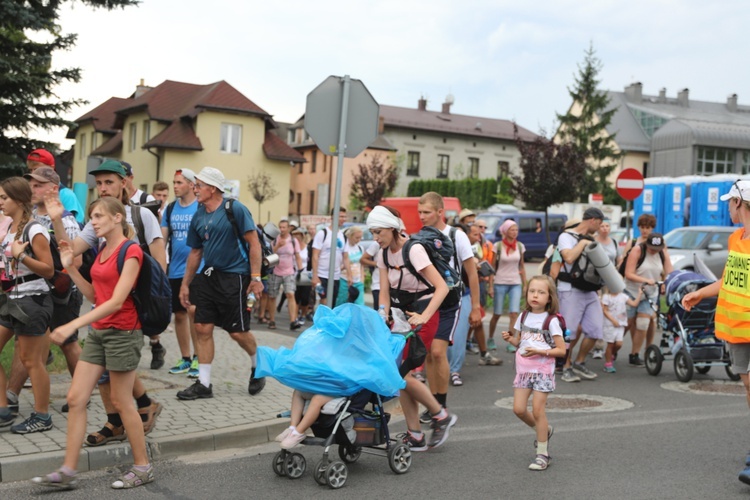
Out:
{"x": 545, "y": 326}
{"x": 624, "y": 262}
{"x": 152, "y": 293}
{"x": 140, "y": 230}
{"x": 583, "y": 275}
{"x": 440, "y": 249}
{"x": 152, "y": 206}
{"x": 498, "y": 250}
{"x": 60, "y": 284}
{"x": 265, "y": 248}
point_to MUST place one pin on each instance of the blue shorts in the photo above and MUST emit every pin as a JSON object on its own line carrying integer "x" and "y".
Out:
{"x": 514, "y": 294}
{"x": 643, "y": 308}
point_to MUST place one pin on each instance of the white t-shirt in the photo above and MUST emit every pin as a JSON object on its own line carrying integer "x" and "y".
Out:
{"x": 325, "y": 253}
{"x": 150, "y": 228}
{"x": 372, "y": 251}
{"x": 531, "y": 333}
{"x": 34, "y": 287}
{"x": 136, "y": 198}
{"x": 566, "y": 241}
{"x": 463, "y": 247}
{"x": 617, "y": 307}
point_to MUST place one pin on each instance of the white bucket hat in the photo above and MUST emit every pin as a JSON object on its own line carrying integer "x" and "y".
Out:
{"x": 213, "y": 177}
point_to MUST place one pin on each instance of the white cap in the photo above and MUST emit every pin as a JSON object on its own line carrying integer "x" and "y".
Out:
{"x": 294, "y": 223}
{"x": 187, "y": 174}
{"x": 743, "y": 191}
{"x": 212, "y": 177}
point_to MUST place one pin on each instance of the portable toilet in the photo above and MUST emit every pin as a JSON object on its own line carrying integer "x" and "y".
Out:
{"x": 705, "y": 207}
{"x": 688, "y": 181}
{"x": 650, "y": 202}
{"x": 672, "y": 206}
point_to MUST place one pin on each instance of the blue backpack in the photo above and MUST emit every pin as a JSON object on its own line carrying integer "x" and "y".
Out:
{"x": 152, "y": 293}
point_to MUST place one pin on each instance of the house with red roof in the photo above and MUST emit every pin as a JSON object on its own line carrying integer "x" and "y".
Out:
{"x": 175, "y": 125}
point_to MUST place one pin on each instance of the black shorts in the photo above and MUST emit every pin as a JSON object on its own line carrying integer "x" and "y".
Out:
{"x": 336, "y": 283}
{"x": 447, "y": 323}
{"x": 302, "y": 295}
{"x": 39, "y": 310}
{"x": 220, "y": 299}
{"x": 176, "y": 304}
{"x": 64, "y": 314}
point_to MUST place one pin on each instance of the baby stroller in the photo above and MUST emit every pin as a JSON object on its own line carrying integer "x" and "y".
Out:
{"x": 359, "y": 425}
{"x": 687, "y": 335}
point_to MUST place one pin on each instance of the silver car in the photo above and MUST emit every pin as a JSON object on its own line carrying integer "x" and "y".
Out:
{"x": 707, "y": 242}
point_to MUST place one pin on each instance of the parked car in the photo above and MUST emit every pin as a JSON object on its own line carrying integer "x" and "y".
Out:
{"x": 535, "y": 242}
{"x": 408, "y": 209}
{"x": 710, "y": 243}
{"x": 620, "y": 236}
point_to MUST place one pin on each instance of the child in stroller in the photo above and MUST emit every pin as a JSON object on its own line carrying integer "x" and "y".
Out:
{"x": 295, "y": 433}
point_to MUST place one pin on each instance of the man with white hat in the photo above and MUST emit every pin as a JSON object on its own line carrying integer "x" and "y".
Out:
{"x": 231, "y": 270}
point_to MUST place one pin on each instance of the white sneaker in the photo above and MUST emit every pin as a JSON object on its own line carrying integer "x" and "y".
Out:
{"x": 489, "y": 360}
{"x": 597, "y": 354}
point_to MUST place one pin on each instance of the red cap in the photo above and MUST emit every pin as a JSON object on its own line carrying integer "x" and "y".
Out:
{"x": 42, "y": 156}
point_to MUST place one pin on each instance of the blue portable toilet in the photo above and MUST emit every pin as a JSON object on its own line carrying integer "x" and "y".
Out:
{"x": 705, "y": 207}
{"x": 650, "y": 202}
{"x": 672, "y": 206}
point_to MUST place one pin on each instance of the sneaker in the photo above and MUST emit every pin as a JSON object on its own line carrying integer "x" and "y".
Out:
{"x": 32, "y": 424}
{"x": 584, "y": 372}
{"x": 7, "y": 421}
{"x": 471, "y": 348}
{"x": 489, "y": 360}
{"x": 414, "y": 445}
{"x": 12, "y": 402}
{"x": 291, "y": 440}
{"x": 635, "y": 360}
{"x": 419, "y": 376}
{"x": 283, "y": 435}
{"x": 456, "y": 379}
{"x": 745, "y": 475}
{"x": 182, "y": 366}
{"x": 569, "y": 376}
{"x": 158, "y": 352}
{"x": 609, "y": 368}
{"x": 309, "y": 317}
{"x": 597, "y": 354}
{"x": 195, "y": 391}
{"x": 57, "y": 479}
{"x": 256, "y": 384}
{"x": 491, "y": 345}
{"x": 294, "y": 325}
{"x": 541, "y": 462}
{"x": 425, "y": 417}
{"x": 440, "y": 428}
{"x": 301, "y": 320}
{"x": 510, "y": 348}
{"x": 193, "y": 371}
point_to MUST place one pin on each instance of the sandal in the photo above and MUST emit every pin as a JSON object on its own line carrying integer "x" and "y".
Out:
{"x": 153, "y": 411}
{"x": 57, "y": 479}
{"x": 108, "y": 434}
{"x": 272, "y": 325}
{"x": 456, "y": 379}
{"x": 133, "y": 478}
{"x": 541, "y": 462}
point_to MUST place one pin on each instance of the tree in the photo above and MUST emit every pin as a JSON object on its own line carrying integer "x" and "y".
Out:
{"x": 27, "y": 80}
{"x": 374, "y": 182}
{"x": 587, "y": 129}
{"x": 551, "y": 173}
{"x": 262, "y": 188}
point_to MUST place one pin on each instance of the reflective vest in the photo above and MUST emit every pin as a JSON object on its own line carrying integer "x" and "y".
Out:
{"x": 733, "y": 306}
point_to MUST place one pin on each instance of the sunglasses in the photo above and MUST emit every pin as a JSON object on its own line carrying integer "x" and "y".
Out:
{"x": 739, "y": 191}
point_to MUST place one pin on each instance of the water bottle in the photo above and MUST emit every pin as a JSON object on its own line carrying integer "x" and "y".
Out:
{"x": 382, "y": 314}
{"x": 250, "y": 301}
{"x": 321, "y": 291}
{"x": 566, "y": 336}
{"x": 449, "y": 279}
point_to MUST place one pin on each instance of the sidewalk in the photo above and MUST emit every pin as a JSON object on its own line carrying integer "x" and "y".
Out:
{"x": 231, "y": 419}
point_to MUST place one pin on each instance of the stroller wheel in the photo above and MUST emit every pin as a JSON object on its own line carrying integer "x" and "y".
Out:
{"x": 278, "y": 463}
{"x": 349, "y": 454}
{"x": 399, "y": 458}
{"x": 320, "y": 474}
{"x": 654, "y": 360}
{"x": 702, "y": 369}
{"x": 336, "y": 474}
{"x": 731, "y": 374}
{"x": 683, "y": 366}
{"x": 294, "y": 465}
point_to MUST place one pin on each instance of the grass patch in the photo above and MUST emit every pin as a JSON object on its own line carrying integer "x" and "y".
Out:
{"x": 59, "y": 365}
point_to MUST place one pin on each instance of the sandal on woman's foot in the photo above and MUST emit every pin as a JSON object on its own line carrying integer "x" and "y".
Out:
{"x": 133, "y": 478}
{"x": 272, "y": 325}
{"x": 456, "y": 379}
{"x": 108, "y": 434}
{"x": 57, "y": 479}
{"x": 541, "y": 462}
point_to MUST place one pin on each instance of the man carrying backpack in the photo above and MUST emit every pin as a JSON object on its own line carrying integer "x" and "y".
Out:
{"x": 219, "y": 291}
{"x": 577, "y": 305}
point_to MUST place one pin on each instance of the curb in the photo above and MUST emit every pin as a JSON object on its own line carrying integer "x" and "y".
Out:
{"x": 24, "y": 467}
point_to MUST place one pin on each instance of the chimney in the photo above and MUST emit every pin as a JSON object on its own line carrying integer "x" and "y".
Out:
{"x": 682, "y": 97}
{"x": 732, "y": 103}
{"x": 141, "y": 89}
{"x": 634, "y": 92}
{"x": 662, "y": 96}
{"x": 422, "y": 104}
{"x": 449, "y": 100}
{"x": 381, "y": 124}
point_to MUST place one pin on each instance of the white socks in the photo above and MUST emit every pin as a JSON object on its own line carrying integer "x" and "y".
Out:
{"x": 204, "y": 374}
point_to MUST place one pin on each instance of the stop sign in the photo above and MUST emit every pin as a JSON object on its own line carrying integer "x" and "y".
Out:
{"x": 629, "y": 184}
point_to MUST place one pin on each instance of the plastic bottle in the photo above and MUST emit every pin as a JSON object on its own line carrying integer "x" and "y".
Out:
{"x": 250, "y": 301}
{"x": 321, "y": 291}
{"x": 449, "y": 279}
{"x": 381, "y": 313}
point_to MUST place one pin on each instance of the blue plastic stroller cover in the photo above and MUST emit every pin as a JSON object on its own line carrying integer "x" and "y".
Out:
{"x": 346, "y": 350}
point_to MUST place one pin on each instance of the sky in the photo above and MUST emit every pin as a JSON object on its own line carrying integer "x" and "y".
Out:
{"x": 500, "y": 59}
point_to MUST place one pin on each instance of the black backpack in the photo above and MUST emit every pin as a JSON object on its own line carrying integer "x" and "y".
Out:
{"x": 140, "y": 230}
{"x": 265, "y": 248}
{"x": 60, "y": 284}
{"x": 310, "y": 248}
{"x": 545, "y": 326}
{"x": 624, "y": 262}
{"x": 153, "y": 206}
{"x": 583, "y": 274}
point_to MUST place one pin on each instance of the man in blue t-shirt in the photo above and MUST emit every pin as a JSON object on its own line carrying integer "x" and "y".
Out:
{"x": 228, "y": 274}
{"x": 175, "y": 224}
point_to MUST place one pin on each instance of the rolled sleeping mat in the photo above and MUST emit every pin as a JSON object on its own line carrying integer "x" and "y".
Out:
{"x": 598, "y": 257}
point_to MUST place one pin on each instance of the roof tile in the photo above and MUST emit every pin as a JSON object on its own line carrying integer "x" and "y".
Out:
{"x": 276, "y": 149}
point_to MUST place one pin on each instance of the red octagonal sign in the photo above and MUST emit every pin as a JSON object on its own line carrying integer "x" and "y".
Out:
{"x": 629, "y": 184}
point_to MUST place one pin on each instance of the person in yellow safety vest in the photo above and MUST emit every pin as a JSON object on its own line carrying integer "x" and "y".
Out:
{"x": 733, "y": 307}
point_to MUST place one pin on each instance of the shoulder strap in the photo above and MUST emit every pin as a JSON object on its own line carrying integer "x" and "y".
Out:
{"x": 121, "y": 254}
{"x": 170, "y": 209}
{"x": 643, "y": 255}
{"x": 408, "y": 265}
{"x": 452, "y": 236}
{"x": 144, "y": 197}
{"x": 524, "y": 315}
{"x": 25, "y": 235}
{"x": 545, "y": 329}
{"x": 135, "y": 215}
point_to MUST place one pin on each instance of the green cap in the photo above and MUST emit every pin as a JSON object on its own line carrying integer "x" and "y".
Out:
{"x": 110, "y": 166}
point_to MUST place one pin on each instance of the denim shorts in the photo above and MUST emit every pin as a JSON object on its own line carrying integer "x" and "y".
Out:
{"x": 514, "y": 294}
{"x": 643, "y": 308}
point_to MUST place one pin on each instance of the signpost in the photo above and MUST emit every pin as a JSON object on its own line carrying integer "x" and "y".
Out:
{"x": 629, "y": 185}
{"x": 341, "y": 116}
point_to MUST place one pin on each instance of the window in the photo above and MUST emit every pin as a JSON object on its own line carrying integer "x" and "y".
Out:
{"x": 412, "y": 163}
{"x": 300, "y": 167}
{"x": 715, "y": 161}
{"x": 82, "y": 147}
{"x": 721, "y": 238}
{"x": 93, "y": 141}
{"x": 474, "y": 168}
{"x": 527, "y": 224}
{"x": 503, "y": 170}
{"x": 146, "y": 131}
{"x": 649, "y": 123}
{"x": 314, "y": 164}
{"x": 312, "y": 203}
{"x": 133, "y": 137}
{"x": 745, "y": 163}
{"x": 299, "y": 203}
{"x": 231, "y": 136}
{"x": 443, "y": 165}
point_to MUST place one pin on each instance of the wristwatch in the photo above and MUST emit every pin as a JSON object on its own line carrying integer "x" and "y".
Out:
{"x": 256, "y": 278}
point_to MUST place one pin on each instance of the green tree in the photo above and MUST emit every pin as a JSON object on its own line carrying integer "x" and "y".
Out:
{"x": 27, "y": 81}
{"x": 587, "y": 130}
{"x": 373, "y": 182}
